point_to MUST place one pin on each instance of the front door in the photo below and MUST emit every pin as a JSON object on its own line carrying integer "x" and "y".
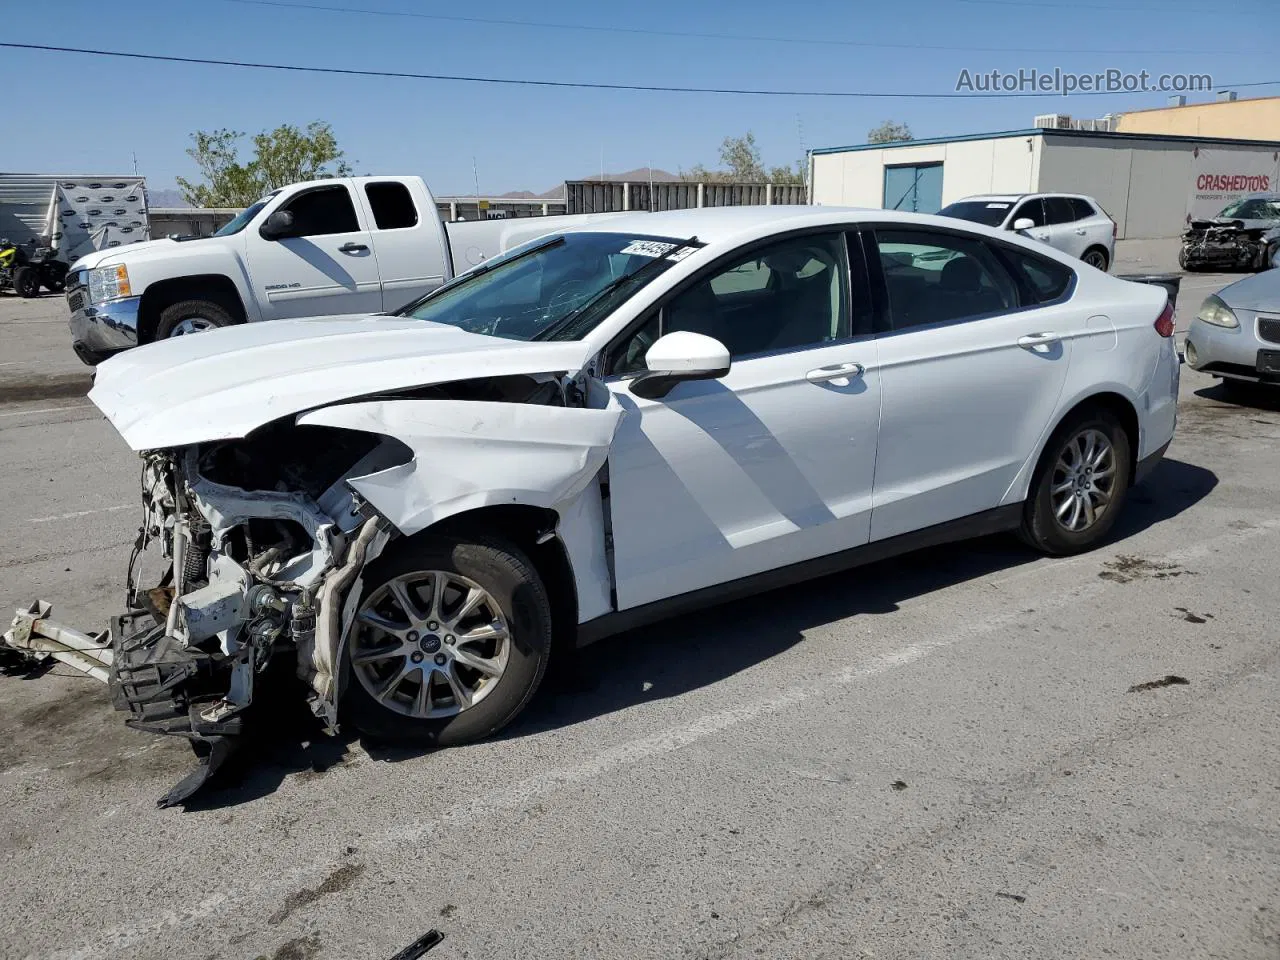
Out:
{"x": 972, "y": 364}
{"x": 769, "y": 466}
{"x": 325, "y": 265}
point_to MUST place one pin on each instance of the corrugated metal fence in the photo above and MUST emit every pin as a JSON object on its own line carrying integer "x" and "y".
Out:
{"x": 24, "y": 205}
{"x": 595, "y": 196}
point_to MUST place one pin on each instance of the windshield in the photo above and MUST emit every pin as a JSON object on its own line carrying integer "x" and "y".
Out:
{"x": 242, "y": 218}
{"x": 1254, "y": 208}
{"x": 988, "y": 212}
{"x": 556, "y": 288}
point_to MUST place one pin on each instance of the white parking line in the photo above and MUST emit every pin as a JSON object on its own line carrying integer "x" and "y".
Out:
{"x": 24, "y": 413}
{"x": 81, "y": 513}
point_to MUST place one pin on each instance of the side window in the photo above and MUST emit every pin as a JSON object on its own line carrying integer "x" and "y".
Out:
{"x": 392, "y": 206}
{"x": 323, "y": 211}
{"x": 1046, "y": 279}
{"x": 941, "y": 278}
{"x": 1081, "y": 208}
{"x": 793, "y": 293}
{"x": 752, "y": 275}
{"x": 1033, "y": 209}
{"x": 1058, "y": 210}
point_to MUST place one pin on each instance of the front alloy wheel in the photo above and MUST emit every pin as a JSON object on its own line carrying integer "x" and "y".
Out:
{"x": 450, "y": 640}
{"x": 430, "y": 644}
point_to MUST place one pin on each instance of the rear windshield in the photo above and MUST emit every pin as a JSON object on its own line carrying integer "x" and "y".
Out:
{"x": 988, "y": 212}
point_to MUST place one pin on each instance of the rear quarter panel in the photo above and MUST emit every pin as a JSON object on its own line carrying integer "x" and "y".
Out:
{"x": 1118, "y": 352}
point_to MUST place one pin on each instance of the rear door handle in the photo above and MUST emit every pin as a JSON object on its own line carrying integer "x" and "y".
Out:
{"x": 353, "y": 248}
{"x": 1038, "y": 342}
{"x": 835, "y": 371}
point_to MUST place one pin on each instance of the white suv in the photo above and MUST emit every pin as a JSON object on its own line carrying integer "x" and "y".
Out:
{"x": 1074, "y": 224}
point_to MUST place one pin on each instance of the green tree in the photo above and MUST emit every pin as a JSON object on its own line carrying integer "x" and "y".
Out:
{"x": 889, "y": 131}
{"x": 740, "y": 158}
{"x": 282, "y": 156}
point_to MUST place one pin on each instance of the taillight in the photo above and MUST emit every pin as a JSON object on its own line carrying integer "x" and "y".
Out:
{"x": 1115, "y": 229}
{"x": 1164, "y": 322}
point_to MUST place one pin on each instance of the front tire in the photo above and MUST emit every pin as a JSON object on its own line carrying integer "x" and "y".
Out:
{"x": 450, "y": 642}
{"x": 1079, "y": 485}
{"x": 192, "y": 316}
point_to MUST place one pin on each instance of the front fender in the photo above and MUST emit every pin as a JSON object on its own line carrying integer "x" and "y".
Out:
{"x": 472, "y": 454}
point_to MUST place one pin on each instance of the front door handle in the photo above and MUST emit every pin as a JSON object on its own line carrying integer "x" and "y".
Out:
{"x": 352, "y": 248}
{"x": 835, "y": 371}
{"x": 1038, "y": 342}
{"x": 1082, "y": 231}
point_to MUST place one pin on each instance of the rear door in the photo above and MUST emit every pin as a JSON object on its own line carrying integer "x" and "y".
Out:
{"x": 1095, "y": 227}
{"x": 1066, "y": 232}
{"x": 972, "y": 364}
{"x": 772, "y": 464}
{"x": 326, "y": 263}
{"x": 407, "y": 242}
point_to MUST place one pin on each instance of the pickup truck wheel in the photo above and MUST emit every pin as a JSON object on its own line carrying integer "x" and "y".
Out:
{"x": 450, "y": 641}
{"x": 25, "y": 282}
{"x": 192, "y": 316}
{"x": 1079, "y": 485}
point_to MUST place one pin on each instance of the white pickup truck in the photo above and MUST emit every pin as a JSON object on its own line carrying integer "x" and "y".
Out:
{"x": 339, "y": 246}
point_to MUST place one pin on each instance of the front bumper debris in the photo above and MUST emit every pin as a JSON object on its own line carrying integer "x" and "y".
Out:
{"x": 165, "y": 688}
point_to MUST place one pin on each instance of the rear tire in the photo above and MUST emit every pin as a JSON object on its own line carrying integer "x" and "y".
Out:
{"x": 1079, "y": 485}
{"x": 192, "y": 316}
{"x": 26, "y": 283}
{"x": 515, "y": 603}
{"x": 1096, "y": 257}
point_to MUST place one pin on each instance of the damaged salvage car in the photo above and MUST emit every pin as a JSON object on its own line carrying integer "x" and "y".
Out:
{"x": 1244, "y": 236}
{"x": 596, "y": 430}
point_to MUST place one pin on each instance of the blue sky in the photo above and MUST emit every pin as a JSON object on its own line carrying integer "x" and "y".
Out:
{"x": 78, "y": 114}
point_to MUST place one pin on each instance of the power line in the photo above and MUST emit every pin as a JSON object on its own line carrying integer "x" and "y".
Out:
{"x": 569, "y": 84}
{"x": 651, "y": 32}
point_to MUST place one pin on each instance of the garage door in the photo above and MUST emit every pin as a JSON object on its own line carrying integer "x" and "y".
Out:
{"x": 916, "y": 188}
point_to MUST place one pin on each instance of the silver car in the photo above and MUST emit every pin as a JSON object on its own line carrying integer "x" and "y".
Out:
{"x": 1236, "y": 333}
{"x": 1075, "y": 224}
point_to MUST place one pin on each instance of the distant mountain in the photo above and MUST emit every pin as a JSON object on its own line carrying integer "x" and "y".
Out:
{"x": 166, "y": 197}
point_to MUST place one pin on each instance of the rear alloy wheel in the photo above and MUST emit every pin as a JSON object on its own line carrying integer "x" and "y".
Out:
{"x": 449, "y": 643}
{"x": 1079, "y": 486}
{"x": 1096, "y": 258}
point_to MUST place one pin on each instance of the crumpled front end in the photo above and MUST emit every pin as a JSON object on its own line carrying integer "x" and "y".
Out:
{"x": 1227, "y": 244}
{"x": 254, "y": 548}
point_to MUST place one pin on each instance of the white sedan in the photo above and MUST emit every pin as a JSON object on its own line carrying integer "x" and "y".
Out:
{"x": 605, "y": 427}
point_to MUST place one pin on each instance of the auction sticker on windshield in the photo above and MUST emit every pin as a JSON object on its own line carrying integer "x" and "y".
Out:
{"x": 656, "y": 248}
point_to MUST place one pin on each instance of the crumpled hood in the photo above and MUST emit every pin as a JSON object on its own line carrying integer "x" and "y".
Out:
{"x": 1258, "y": 292}
{"x": 225, "y": 383}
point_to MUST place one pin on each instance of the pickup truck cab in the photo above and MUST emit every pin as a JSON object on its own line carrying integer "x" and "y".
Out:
{"x": 338, "y": 246}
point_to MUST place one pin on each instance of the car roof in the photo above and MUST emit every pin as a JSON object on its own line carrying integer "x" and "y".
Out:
{"x": 1012, "y": 197}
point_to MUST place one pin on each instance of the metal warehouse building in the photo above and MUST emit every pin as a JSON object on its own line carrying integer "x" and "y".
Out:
{"x": 1149, "y": 184}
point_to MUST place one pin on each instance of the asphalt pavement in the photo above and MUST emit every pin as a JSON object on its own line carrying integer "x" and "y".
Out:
{"x": 969, "y": 752}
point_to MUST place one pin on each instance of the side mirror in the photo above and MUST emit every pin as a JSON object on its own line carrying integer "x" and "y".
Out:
{"x": 680, "y": 356}
{"x": 1023, "y": 223}
{"x": 278, "y": 225}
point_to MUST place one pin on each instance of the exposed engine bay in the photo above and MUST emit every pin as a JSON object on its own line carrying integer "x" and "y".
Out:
{"x": 253, "y": 549}
{"x": 1231, "y": 244}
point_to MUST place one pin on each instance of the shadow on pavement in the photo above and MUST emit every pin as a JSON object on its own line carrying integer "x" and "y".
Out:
{"x": 1243, "y": 394}
{"x": 672, "y": 658}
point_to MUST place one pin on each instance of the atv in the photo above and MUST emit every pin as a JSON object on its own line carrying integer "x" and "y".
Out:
{"x": 26, "y": 271}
